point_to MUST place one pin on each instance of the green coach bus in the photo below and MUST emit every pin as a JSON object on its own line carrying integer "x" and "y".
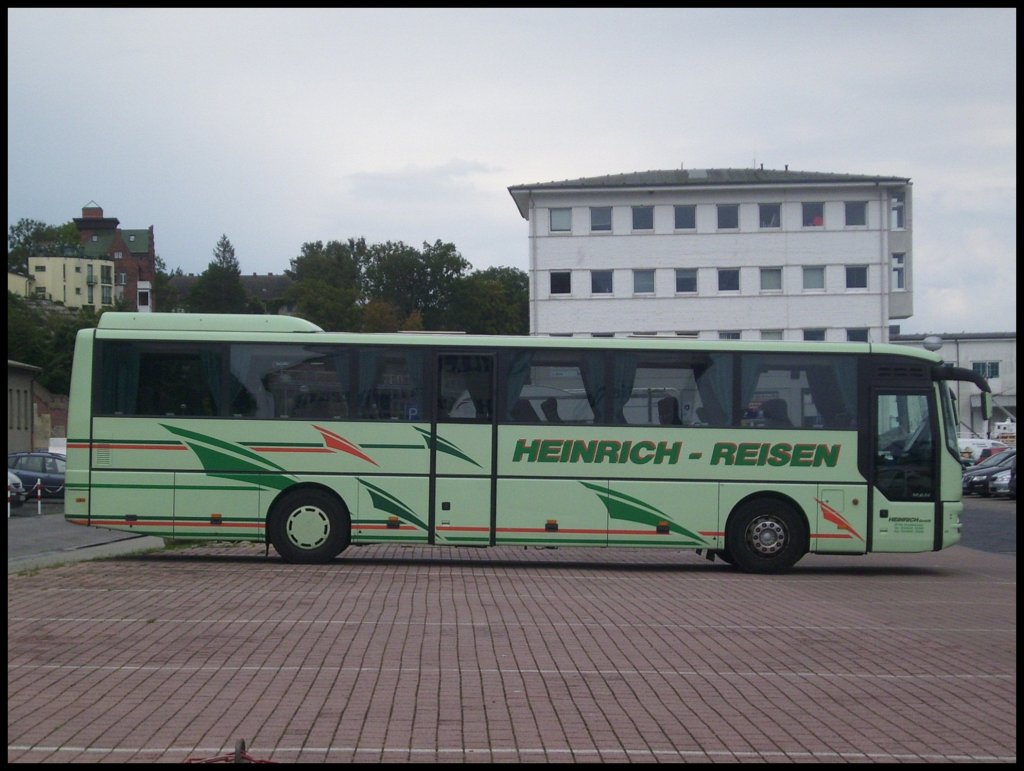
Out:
{"x": 268, "y": 429}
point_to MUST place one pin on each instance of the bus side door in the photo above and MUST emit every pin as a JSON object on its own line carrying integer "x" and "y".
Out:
{"x": 905, "y": 490}
{"x": 462, "y": 450}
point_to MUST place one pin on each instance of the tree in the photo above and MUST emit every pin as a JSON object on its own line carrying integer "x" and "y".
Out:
{"x": 328, "y": 288}
{"x": 45, "y": 339}
{"x": 414, "y": 280}
{"x": 32, "y": 238}
{"x": 339, "y": 264}
{"x": 167, "y": 298}
{"x": 495, "y": 301}
{"x": 332, "y": 309}
{"x": 219, "y": 289}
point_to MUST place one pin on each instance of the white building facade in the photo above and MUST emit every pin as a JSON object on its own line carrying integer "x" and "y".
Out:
{"x": 993, "y": 355}
{"x": 746, "y": 254}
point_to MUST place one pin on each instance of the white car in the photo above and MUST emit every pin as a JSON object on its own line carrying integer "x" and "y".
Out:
{"x": 15, "y": 489}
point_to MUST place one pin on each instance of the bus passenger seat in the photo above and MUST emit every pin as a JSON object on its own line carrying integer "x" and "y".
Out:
{"x": 776, "y": 413}
{"x": 668, "y": 412}
{"x": 523, "y": 412}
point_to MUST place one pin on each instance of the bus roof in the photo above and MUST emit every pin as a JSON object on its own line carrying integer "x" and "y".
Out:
{"x": 257, "y": 328}
{"x": 204, "y": 322}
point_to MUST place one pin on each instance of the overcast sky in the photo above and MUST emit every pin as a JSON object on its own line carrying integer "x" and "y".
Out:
{"x": 278, "y": 127}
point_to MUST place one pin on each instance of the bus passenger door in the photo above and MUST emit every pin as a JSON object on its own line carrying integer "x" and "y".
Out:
{"x": 904, "y": 459}
{"x": 462, "y": 450}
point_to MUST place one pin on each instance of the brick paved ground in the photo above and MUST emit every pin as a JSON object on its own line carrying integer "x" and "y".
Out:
{"x": 509, "y": 655}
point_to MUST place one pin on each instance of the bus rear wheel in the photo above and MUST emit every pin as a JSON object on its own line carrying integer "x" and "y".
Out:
{"x": 766, "y": 535}
{"x": 309, "y": 527}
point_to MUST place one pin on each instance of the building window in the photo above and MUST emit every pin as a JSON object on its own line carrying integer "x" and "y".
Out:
{"x": 601, "y": 282}
{"x": 95, "y": 238}
{"x": 689, "y": 334}
{"x": 856, "y": 276}
{"x": 856, "y": 213}
{"x": 106, "y": 295}
{"x": 728, "y": 279}
{"x": 78, "y": 290}
{"x": 896, "y": 213}
{"x": 39, "y": 269}
{"x": 602, "y": 334}
{"x": 41, "y": 292}
{"x": 728, "y": 216}
{"x": 771, "y": 334}
{"x": 643, "y": 282}
{"x": 643, "y": 218}
{"x": 561, "y": 282}
{"x": 686, "y": 280}
{"x": 814, "y": 277}
{"x": 600, "y": 218}
{"x": 771, "y": 279}
{"x": 143, "y": 298}
{"x": 561, "y": 220}
{"x": 987, "y": 369}
{"x": 106, "y": 273}
{"x": 131, "y": 237}
{"x": 122, "y": 279}
{"x": 816, "y": 335}
{"x": 90, "y": 298}
{"x": 769, "y": 215}
{"x": 732, "y": 334}
{"x": 859, "y": 335}
{"x": 118, "y": 255}
{"x": 78, "y": 269}
{"x": 814, "y": 215}
{"x": 686, "y": 217}
{"x": 898, "y": 271}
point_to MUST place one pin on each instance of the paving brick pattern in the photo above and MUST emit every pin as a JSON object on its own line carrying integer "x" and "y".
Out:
{"x": 419, "y": 654}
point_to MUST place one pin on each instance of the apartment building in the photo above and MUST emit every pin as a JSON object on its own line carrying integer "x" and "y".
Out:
{"x": 750, "y": 254}
{"x": 110, "y": 264}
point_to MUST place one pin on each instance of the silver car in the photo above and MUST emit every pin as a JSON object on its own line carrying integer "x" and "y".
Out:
{"x": 15, "y": 489}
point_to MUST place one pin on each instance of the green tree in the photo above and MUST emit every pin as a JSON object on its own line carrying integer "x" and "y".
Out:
{"x": 219, "y": 289}
{"x": 328, "y": 288}
{"x": 339, "y": 264}
{"x": 413, "y": 280}
{"x": 332, "y": 309}
{"x": 495, "y": 301}
{"x": 166, "y": 297}
{"x": 26, "y": 330}
{"x": 32, "y": 238}
{"x": 45, "y": 339}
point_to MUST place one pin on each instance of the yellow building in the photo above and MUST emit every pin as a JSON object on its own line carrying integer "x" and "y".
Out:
{"x": 73, "y": 281}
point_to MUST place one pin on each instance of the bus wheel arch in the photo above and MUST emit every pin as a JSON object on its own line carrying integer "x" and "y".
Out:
{"x": 309, "y": 524}
{"x": 766, "y": 533}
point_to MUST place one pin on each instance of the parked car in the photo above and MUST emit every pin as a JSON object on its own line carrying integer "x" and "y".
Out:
{"x": 15, "y": 489}
{"x": 1004, "y": 481}
{"x": 976, "y": 478}
{"x": 45, "y": 467}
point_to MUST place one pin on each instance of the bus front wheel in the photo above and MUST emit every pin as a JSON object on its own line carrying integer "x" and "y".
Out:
{"x": 766, "y": 535}
{"x": 309, "y": 527}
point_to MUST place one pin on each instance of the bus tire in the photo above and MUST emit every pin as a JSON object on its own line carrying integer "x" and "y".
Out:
{"x": 309, "y": 526}
{"x": 766, "y": 535}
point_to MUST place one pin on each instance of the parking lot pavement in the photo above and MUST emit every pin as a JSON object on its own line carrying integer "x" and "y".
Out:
{"x": 39, "y": 536}
{"x": 423, "y": 654}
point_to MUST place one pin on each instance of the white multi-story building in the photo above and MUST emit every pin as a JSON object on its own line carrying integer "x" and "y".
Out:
{"x": 752, "y": 254}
